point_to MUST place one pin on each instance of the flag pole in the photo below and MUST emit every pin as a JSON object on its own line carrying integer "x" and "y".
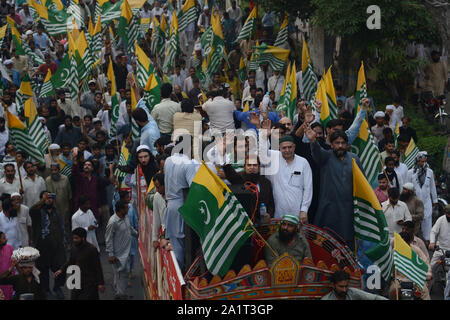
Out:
{"x": 395, "y": 279}
{"x": 262, "y": 238}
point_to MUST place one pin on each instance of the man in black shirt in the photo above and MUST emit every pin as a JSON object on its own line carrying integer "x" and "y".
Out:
{"x": 406, "y": 129}
{"x": 121, "y": 72}
{"x": 85, "y": 256}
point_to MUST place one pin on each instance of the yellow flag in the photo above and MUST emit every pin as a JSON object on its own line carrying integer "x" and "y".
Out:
{"x": 111, "y": 77}
{"x": 30, "y": 111}
{"x": 3, "y": 31}
{"x": 305, "y": 57}
{"x": 90, "y": 27}
{"x": 329, "y": 86}
{"x": 246, "y": 106}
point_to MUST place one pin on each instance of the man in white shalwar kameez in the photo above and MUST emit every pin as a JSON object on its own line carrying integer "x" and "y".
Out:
{"x": 84, "y": 218}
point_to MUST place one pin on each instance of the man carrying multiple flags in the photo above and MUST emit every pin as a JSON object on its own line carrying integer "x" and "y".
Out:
{"x": 153, "y": 44}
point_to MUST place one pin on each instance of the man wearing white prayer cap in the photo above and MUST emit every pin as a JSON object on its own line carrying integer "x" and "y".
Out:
{"x": 53, "y": 156}
{"x": 377, "y": 130}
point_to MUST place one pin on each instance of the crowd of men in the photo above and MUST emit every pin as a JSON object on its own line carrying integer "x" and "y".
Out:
{"x": 88, "y": 211}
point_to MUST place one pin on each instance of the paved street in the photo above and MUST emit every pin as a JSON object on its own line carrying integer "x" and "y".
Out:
{"x": 135, "y": 291}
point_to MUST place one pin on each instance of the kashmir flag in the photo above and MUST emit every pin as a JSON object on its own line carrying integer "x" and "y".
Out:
{"x": 285, "y": 94}
{"x": 110, "y": 11}
{"x": 331, "y": 95}
{"x": 144, "y": 67}
{"x": 86, "y": 58}
{"x": 220, "y": 221}
{"x": 2, "y": 34}
{"x": 74, "y": 11}
{"x": 370, "y": 223}
{"x": 396, "y": 134}
{"x": 20, "y": 137}
{"x": 282, "y": 36}
{"x": 63, "y": 76}
{"x": 217, "y": 46}
{"x": 248, "y": 29}
{"x": 321, "y": 95}
{"x": 152, "y": 91}
{"x": 173, "y": 47}
{"x": 54, "y": 4}
{"x": 158, "y": 36}
{"x": 144, "y": 25}
{"x": 25, "y": 91}
{"x": 364, "y": 146}
{"x": 64, "y": 168}
{"x": 96, "y": 36}
{"x": 242, "y": 72}
{"x": 291, "y": 106}
{"x": 114, "y": 101}
{"x": 128, "y": 28}
{"x": 246, "y": 106}
{"x": 308, "y": 75}
{"x": 361, "y": 88}
{"x": 410, "y": 154}
{"x": 55, "y": 22}
{"x": 276, "y": 57}
{"x": 123, "y": 160}
{"x": 34, "y": 126}
{"x": 135, "y": 132}
{"x": 408, "y": 262}
{"x": 47, "y": 87}
{"x": 187, "y": 15}
{"x": 17, "y": 39}
{"x": 76, "y": 68}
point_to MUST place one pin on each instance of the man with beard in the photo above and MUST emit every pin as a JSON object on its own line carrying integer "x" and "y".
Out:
{"x": 68, "y": 133}
{"x": 147, "y": 162}
{"x": 422, "y": 177}
{"x": 9, "y": 223}
{"x": 409, "y": 227}
{"x": 440, "y": 234}
{"x": 415, "y": 206}
{"x": 118, "y": 245}
{"x": 400, "y": 168}
{"x": 9, "y": 183}
{"x": 395, "y": 181}
{"x": 33, "y": 185}
{"x": 382, "y": 190}
{"x": 49, "y": 238}
{"x": 335, "y": 209}
{"x": 251, "y": 174}
{"x": 288, "y": 240}
{"x": 85, "y": 256}
{"x": 341, "y": 291}
{"x": 59, "y": 184}
{"x": 9, "y": 104}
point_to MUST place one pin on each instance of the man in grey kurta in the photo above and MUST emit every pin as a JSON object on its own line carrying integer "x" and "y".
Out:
{"x": 118, "y": 244}
{"x": 335, "y": 209}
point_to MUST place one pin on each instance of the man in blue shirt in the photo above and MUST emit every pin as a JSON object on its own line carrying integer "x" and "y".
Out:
{"x": 41, "y": 39}
{"x": 245, "y": 116}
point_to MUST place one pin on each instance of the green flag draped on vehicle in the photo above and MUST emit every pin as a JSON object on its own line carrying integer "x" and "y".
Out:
{"x": 370, "y": 223}
{"x": 220, "y": 221}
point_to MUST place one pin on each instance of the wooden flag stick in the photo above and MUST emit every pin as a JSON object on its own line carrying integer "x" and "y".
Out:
{"x": 264, "y": 240}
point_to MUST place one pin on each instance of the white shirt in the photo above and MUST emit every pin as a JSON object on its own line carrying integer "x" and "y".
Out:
{"x": 441, "y": 233}
{"x": 275, "y": 83}
{"x": 177, "y": 80}
{"x": 10, "y": 226}
{"x": 103, "y": 115}
{"x": 84, "y": 220}
{"x": 10, "y": 188}
{"x": 3, "y": 140}
{"x": 220, "y": 113}
{"x": 32, "y": 190}
{"x": 24, "y": 220}
{"x": 188, "y": 85}
{"x": 157, "y": 11}
{"x": 159, "y": 211}
{"x": 396, "y": 116}
{"x": 146, "y": 14}
{"x": 394, "y": 214}
{"x": 259, "y": 77}
{"x": 402, "y": 171}
{"x": 123, "y": 115}
{"x": 292, "y": 185}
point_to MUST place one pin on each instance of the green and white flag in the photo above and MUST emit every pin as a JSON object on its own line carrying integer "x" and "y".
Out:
{"x": 409, "y": 262}
{"x": 47, "y": 87}
{"x": 282, "y": 36}
{"x": 173, "y": 48}
{"x": 370, "y": 223}
{"x": 220, "y": 221}
{"x": 410, "y": 154}
{"x": 158, "y": 36}
{"x": 123, "y": 160}
{"x": 128, "y": 28}
{"x": 187, "y": 15}
{"x": 64, "y": 168}
{"x": 248, "y": 29}
{"x": 74, "y": 11}
{"x": 56, "y": 22}
{"x": 152, "y": 92}
{"x": 110, "y": 11}
{"x": 365, "y": 148}
{"x": 20, "y": 137}
{"x": 276, "y": 57}
{"x": 144, "y": 66}
{"x": 34, "y": 125}
{"x": 217, "y": 52}
{"x": 309, "y": 78}
{"x": 114, "y": 101}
